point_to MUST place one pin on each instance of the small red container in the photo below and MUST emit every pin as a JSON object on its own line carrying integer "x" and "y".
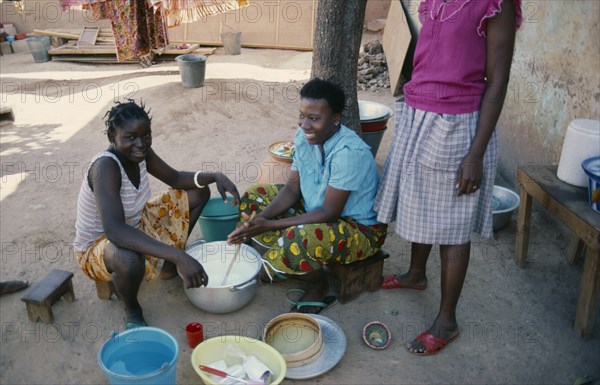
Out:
{"x": 20, "y": 36}
{"x": 194, "y": 333}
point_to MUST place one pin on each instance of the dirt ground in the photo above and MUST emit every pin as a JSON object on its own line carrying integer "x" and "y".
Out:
{"x": 516, "y": 323}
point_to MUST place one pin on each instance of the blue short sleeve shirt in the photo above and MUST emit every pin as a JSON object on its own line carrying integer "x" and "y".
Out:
{"x": 348, "y": 165}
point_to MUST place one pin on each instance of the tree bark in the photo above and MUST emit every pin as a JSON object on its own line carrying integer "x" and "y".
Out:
{"x": 338, "y": 34}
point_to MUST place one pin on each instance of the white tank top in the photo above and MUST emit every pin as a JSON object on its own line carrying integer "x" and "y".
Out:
{"x": 88, "y": 226}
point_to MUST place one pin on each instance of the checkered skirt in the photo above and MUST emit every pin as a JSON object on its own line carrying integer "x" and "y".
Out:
{"x": 417, "y": 187}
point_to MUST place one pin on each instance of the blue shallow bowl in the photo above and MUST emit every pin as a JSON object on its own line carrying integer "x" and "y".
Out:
{"x": 504, "y": 203}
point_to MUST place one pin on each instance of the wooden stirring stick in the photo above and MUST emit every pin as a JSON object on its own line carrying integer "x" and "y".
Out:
{"x": 237, "y": 251}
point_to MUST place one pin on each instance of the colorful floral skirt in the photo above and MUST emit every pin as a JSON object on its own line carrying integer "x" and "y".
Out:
{"x": 303, "y": 248}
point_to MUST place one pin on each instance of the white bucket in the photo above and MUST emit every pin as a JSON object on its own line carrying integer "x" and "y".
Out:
{"x": 582, "y": 141}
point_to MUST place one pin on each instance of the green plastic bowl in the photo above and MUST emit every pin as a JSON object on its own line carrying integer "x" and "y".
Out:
{"x": 218, "y": 219}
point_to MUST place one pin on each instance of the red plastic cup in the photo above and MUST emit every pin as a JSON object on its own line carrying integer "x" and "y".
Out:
{"x": 195, "y": 334}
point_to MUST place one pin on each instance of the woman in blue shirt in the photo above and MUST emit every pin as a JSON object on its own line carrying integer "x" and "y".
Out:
{"x": 324, "y": 213}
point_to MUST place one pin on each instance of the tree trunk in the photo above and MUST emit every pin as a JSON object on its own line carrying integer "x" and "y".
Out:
{"x": 338, "y": 33}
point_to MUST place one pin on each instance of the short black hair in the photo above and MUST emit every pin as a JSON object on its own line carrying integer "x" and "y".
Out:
{"x": 124, "y": 112}
{"x": 319, "y": 89}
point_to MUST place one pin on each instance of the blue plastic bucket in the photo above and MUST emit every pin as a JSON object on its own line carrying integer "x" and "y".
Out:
{"x": 144, "y": 355}
{"x": 591, "y": 167}
{"x": 218, "y": 219}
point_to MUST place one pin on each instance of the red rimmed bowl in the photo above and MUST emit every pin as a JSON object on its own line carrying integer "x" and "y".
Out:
{"x": 373, "y": 116}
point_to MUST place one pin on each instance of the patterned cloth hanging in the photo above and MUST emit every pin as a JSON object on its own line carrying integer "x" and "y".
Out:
{"x": 188, "y": 11}
{"x": 140, "y": 26}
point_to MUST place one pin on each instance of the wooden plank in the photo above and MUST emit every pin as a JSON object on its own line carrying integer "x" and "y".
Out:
{"x": 83, "y": 51}
{"x": 565, "y": 202}
{"x": 576, "y": 249}
{"x": 176, "y": 51}
{"x": 93, "y": 59}
{"x": 250, "y": 45}
{"x": 44, "y": 32}
{"x": 88, "y": 36}
{"x": 396, "y": 40}
{"x": 588, "y": 295}
{"x": 523, "y": 224}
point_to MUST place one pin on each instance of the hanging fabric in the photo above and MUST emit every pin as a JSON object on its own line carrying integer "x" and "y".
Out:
{"x": 137, "y": 28}
{"x": 188, "y": 11}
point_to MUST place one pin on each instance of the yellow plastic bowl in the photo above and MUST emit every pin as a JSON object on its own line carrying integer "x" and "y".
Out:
{"x": 212, "y": 350}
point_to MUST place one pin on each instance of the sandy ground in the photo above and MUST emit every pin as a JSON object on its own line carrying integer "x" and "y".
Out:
{"x": 516, "y": 323}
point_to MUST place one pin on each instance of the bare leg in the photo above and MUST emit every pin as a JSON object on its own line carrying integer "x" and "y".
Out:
{"x": 416, "y": 275}
{"x": 455, "y": 261}
{"x": 127, "y": 268}
{"x": 197, "y": 199}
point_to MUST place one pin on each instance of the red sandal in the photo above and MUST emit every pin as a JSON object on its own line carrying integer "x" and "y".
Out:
{"x": 391, "y": 282}
{"x": 433, "y": 344}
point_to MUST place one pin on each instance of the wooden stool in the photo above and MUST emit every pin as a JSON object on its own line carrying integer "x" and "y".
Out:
{"x": 104, "y": 289}
{"x": 359, "y": 276}
{"x": 42, "y": 295}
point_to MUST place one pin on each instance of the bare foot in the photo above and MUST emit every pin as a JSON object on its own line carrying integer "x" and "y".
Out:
{"x": 8, "y": 287}
{"x": 168, "y": 271}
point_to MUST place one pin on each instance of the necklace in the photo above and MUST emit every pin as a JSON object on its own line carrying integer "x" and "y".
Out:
{"x": 442, "y": 9}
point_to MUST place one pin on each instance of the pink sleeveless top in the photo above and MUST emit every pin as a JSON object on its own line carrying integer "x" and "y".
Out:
{"x": 450, "y": 57}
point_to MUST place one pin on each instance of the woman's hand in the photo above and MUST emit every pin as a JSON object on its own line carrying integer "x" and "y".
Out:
{"x": 253, "y": 226}
{"x": 470, "y": 174}
{"x": 224, "y": 185}
{"x": 191, "y": 271}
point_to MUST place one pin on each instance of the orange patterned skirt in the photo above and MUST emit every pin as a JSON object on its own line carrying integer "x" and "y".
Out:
{"x": 165, "y": 218}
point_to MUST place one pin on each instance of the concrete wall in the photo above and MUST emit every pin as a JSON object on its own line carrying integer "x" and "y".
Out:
{"x": 41, "y": 14}
{"x": 555, "y": 79}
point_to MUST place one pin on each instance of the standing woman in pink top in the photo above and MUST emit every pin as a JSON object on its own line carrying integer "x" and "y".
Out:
{"x": 438, "y": 178}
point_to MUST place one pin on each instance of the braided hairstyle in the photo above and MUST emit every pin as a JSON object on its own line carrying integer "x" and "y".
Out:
{"x": 121, "y": 113}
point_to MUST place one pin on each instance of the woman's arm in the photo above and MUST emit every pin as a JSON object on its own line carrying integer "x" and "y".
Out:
{"x": 184, "y": 180}
{"x": 105, "y": 181}
{"x": 501, "y": 30}
{"x": 333, "y": 205}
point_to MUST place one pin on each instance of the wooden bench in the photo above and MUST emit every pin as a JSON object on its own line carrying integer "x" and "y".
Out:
{"x": 359, "y": 276}
{"x": 43, "y": 294}
{"x": 569, "y": 205}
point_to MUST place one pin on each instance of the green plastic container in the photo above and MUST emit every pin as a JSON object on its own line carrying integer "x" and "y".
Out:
{"x": 218, "y": 219}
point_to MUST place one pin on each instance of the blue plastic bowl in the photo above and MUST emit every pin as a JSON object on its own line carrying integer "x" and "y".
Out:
{"x": 591, "y": 167}
{"x": 504, "y": 203}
